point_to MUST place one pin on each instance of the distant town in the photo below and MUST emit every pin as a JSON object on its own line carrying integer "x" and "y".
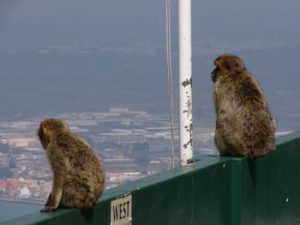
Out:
{"x": 131, "y": 144}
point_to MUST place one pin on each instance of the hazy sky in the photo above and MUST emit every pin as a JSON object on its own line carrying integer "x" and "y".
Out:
{"x": 135, "y": 20}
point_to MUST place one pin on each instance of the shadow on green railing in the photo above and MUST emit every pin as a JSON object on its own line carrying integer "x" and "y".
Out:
{"x": 214, "y": 190}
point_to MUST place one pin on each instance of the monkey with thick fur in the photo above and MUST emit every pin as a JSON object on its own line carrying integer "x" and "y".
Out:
{"x": 78, "y": 177}
{"x": 244, "y": 125}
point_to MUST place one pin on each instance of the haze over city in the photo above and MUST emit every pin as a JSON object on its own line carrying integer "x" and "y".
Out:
{"x": 59, "y": 56}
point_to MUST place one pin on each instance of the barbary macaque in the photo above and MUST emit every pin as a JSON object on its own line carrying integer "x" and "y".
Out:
{"x": 78, "y": 176}
{"x": 244, "y": 124}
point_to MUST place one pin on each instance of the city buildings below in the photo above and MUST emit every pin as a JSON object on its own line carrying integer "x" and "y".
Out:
{"x": 131, "y": 144}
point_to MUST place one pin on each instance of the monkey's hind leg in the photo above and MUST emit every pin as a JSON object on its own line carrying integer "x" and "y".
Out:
{"x": 221, "y": 144}
{"x": 230, "y": 146}
{"x": 76, "y": 194}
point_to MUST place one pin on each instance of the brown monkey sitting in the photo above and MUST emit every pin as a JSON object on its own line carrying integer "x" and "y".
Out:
{"x": 78, "y": 177}
{"x": 244, "y": 125}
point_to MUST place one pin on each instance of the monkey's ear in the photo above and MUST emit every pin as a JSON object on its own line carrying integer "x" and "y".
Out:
{"x": 45, "y": 128}
{"x": 223, "y": 63}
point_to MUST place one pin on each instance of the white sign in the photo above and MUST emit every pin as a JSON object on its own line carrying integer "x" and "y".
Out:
{"x": 120, "y": 211}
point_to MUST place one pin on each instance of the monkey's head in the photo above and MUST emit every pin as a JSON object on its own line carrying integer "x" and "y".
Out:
{"x": 50, "y": 128}
{"x": 227, "y": 64}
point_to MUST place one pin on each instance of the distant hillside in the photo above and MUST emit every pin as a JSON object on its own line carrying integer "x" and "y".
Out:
{"x": 56, "y": 79}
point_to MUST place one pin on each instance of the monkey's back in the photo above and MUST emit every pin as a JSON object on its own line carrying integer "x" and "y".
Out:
{"x": 84, "y": 163}
{"x": 245, "y": 123}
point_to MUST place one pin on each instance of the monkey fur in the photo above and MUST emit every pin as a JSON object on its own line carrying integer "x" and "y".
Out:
{"x": 78, "y": 176}
{"x": 244, "y": 124}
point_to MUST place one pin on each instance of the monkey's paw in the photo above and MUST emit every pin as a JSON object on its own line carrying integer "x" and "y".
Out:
{"x": 49, "y": 208}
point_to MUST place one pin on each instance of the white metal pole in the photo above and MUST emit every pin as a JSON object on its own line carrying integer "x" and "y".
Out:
{"x": 185, "y": 81}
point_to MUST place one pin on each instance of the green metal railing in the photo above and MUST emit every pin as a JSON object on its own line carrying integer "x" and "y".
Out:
{"x": 213, "y": 190}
